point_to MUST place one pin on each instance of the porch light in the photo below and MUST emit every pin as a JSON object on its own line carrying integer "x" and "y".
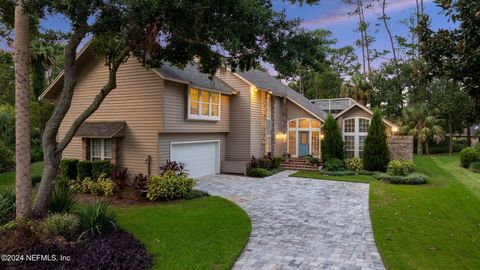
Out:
{"x": 394, "y": 129}
{"x": 253, "y": 89}
{"x": 322, "y": 136}
{"x": 281, "y": 136}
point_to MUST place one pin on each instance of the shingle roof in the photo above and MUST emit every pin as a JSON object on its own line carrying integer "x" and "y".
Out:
{"x": 191, "y": 75}
{"x": 333, "y": 105}
{"x": 264, "y": 81}
{"x": 101, "y": 129}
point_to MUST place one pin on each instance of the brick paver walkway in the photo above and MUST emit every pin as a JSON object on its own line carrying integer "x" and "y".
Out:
{"x": 301, "y": 223}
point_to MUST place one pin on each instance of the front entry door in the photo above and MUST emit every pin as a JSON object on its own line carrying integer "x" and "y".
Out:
{"x": 303, "y": 143}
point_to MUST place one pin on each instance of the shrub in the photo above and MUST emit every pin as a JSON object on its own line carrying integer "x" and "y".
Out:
{"x": 172, "y": 166}
{"x": 467, "y": 156}
{"x": 7, "y": 202}
{"x": 68, "y": 168}
{"x": 76, "y": 186}
{"x": 100, "y": 167}
{"x": 140, "y": 182}
{"x": 36, "y": 179}
{"x": 376, "y": 153}
{"x": 120, "y": 177}
{"x": 333, "y": 164}
{"x": 338, "y": 173}
{"x": 169, "y": 186}
{"x": 264, "y": 163}
{"x": 475, "y": 166}
{"x": 96, "y": 218}
{"x": 7, "y": 159}
{"x": 411, "y": 179}
{"x": 197, "y": 194}
{"x": 313, "y": 160}
{"x": 105, "y": 186}
{"x": 354, "y": 164}
{"x": 259, "y": 172}
{"x": 276, "y": 161}
{"x": 55, "y": 225}
{"x": 84, "y": 169}
{"x": 332, "y": 143}
{"x": 400, "y": 167}
{"x": 89, "y": 186}
{"x": 253, "y": 163}
{"x": 62, "y": 200}
{"x": 477, "y": 147}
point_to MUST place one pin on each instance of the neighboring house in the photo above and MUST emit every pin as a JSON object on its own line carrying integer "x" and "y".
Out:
{"x": 474, "y": 134}
{"x": 213, "y": 125}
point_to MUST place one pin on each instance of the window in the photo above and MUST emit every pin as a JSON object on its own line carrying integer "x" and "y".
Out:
{"x": 363, "y": 125}
{"x": 315, "y": 143}
{"x": 269, "y": 106}
{"x": 203, "y": 104}
{"x": 100, "y": 149}
{"x": 361, "y": 145}
{"x": 349, "y": 146}
{"x": 292, "y": 142}
{"x": 349, "y": 125}
{"x": 355, "y": 131}
{"x": 315, "y": 124}
{"x": 303, "y": 123}
{"x": 292, "y": 124}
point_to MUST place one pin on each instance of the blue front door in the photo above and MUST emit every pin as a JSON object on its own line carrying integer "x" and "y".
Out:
{"x": 303, "y": 143}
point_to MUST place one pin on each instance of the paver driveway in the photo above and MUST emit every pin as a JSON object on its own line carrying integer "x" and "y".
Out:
{"x": 301, "y": 223}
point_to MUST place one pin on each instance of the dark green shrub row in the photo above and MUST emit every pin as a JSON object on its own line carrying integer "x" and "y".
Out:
{"x": 102, "y": 166}
{"x": 411, "y": 179}
{"x": 68, "y": 168}
{"x": 259, "y": 172}
{"x": 74, "y": 169}
{"x": 468, "y": 155}
{"x": 267, "y": 163}
{"x": 338, "y": 173}
{"x": 84, "y": 169}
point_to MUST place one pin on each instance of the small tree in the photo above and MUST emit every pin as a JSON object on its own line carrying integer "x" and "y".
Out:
{"x": 332, "y": 143}
{"x": 376, "y": 152}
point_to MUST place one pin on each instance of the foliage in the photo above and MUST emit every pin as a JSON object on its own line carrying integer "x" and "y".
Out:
{"x": 354, "y": 164}
{"x": 96, "y": 218}
{"x": 6, "y": 157}
{"x": 376, "y": 154}
{"x": 100, "y": 167}
{"x": 276, "y": 161}
{"x": 59, "y": 224}
{"x": 252, "y": 164}
{"x": 259, "y": 172}
{"x": 400, "y": 167}
{"x": 196, "y": 193}
{"x": 332, "y": 143}
{"x": 36, "y": 179}
{"x": 333, "y": 164}
{"x": 313, "y": 160}
{"x": 62, "y": 199}
{"x": 340, "y": 172}
{"x": 103, "y": 186}
{"x": 7, "y": 123}
{"x": 477, "y": 147}
{"x": 475, "y": 166}
{"x": 120, "y": 177}
{"x": 140, "y": 182}
{"x": 264, "y": 163}
{"x": 68, "y": 168}
{"x": 169, "y": 186}
{"x": 172, "y": 166}
{"x": 358, "y": 88}
{"x": 410, "y": 179}
{"x": 467, "y": 156}
{"x": 89, "y": 186}
{"x": 7, "y": 202}
{"x": 84, "y": 169}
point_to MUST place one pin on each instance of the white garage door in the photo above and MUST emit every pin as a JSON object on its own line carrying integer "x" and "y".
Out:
{"x": 201, "y": 158}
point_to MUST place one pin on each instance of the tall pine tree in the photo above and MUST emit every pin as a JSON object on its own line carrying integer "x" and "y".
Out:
{"x": 376, "y": 151}
{"x": 332, "y": 143}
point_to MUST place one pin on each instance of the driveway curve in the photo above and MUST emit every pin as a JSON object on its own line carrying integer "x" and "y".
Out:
{"x": 301, "y": 223}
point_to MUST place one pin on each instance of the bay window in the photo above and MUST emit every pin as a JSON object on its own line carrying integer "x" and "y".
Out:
{"x": 203, "y": 104}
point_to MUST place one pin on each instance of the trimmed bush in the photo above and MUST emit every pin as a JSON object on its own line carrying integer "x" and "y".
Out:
{"x": 332, "y": 143}
{"x": 376, "y": 153}
{"x": 400, "y": 167}
{"x": 62, "y": 200}
{"x": 276, "y": 161}
{"x": 259, "y": 172}
{"x": 338, "y": 173}
{"x": 96, "y": 218}
{"x": 475, "y": 166}
{"x": 64, "y": 225}
{"x": 354, "y": 164}
{"x": 100, "y": 167}
{"x": 264, "y": 163}
{"x": 169, "y": 186}
{"x": 467, "y": 156}
{"x": 333, "y": 164}
{"x": 411, "y": 179}
{"x": 84, "y": 169}
{"x": 68, "y": 168}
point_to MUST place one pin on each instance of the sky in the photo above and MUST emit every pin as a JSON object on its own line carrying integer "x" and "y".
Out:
{"x": 333, "y": 15}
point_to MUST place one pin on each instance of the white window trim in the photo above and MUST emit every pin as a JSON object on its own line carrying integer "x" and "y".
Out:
{"x": 309, "y": 129}
{"x": 200, "y": 116}
{"x": 102, "y": 149}
{"x": 356, "y": 134}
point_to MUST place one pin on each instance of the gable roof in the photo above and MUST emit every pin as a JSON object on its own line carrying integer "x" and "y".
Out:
{"x": 191, "y": 75}
{"x": 267, "y": 82}
{"x": 356, "y": 104}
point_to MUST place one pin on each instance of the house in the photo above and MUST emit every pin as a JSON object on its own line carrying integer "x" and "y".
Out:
{"x": 213, "y": 125}
{"x": 463, "y": 135}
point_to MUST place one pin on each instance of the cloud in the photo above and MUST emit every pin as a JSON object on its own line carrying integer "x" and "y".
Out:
{"x": 341, "y": 15}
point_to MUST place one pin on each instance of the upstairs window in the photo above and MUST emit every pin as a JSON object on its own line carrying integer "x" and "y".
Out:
{"x": 203, "y": 104}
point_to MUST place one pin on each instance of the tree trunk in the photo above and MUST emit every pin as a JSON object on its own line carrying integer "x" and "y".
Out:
{"x": 362, "y": 38}
{"x": 419, "y": 147}
{"x": 23, "y": 184}
{"x": 365, "y": 35}
{"x": 426, "y": 147}
{"x": 389, "y": 32}
{"x": 469, "y": 135}
{"x": 450, "y": 141}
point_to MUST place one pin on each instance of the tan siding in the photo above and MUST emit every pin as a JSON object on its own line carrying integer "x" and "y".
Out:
{"x": 256, "y": 139}
{"x": 175, "y": 105}
{"x": 238, "y": 139}
{"x": 137, "y": 100}
{"x": 164, "y": 141}
{"x": 279, "y": 126}
{"x": 294, "y": 111}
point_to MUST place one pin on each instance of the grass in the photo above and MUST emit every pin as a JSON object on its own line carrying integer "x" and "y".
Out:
{"x": 205, "y": 233}
{"x": 347, "y": 178}
{"x": 9, "y": 177}
{"x": 433, "y": 226}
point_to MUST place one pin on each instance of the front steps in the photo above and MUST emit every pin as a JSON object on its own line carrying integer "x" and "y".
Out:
{"x": 298, "y": 164}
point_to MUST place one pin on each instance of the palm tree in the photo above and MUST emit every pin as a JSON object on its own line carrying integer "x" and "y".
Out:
{"x": 23, "y": 186}
{"x": 423, "y": 124}
{"x": 357, "y": 88}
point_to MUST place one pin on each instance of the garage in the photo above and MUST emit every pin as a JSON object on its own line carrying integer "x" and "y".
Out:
{"x": 201, "y": 158}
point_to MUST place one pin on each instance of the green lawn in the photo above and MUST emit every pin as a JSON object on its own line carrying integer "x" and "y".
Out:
{"x": 433, "y": 226}
{"x": 205, "y": 233}
{"x": 348, "y": 178}
{"x": 9, "y": 178}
